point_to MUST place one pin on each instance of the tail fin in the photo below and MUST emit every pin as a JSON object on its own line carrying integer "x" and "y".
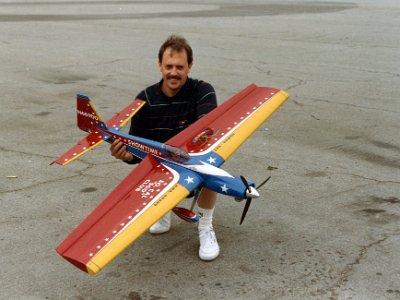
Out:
{"x": 88, "y": 118}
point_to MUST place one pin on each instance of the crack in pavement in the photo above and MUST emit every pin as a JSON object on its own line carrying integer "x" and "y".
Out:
{"x": 369, "y": 178}
{"x": 82, "y": 172}
{"x": 43, "y": 182}
{"x": 24, "y": 153}
{"x": 349, "y": 268}
{"x": 299, "y": 83}
{"x": 349, "y": 104}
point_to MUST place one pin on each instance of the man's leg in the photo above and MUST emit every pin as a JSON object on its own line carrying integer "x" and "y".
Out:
{"x": 209, "y": 248}
{"x": 163, "y": 225}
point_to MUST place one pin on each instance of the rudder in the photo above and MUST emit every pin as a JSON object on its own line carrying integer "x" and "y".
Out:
{"x": 88, "y": 118}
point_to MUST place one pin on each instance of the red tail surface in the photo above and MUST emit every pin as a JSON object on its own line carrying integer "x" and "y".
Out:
{"x": 88, "y": 118}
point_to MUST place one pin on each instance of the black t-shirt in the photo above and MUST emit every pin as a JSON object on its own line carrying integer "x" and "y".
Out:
{"x": 163, "y": 117}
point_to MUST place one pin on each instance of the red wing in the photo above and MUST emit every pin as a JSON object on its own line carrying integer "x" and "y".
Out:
{"x": 142, "y": 198}
{"x": 231, "y": 123}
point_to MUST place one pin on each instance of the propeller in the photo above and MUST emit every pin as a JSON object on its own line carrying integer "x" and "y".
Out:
{"x": 262, "y": 183}
{"x": 248, "y": 200}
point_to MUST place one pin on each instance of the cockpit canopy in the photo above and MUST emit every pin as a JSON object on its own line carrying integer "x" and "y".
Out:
{"x": 176, "y": 154}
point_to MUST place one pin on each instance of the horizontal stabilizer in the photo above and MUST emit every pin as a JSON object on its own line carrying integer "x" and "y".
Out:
{"x": 83, "y": 146}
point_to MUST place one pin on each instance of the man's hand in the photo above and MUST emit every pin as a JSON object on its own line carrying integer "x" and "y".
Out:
{"x": 118, "y": 150}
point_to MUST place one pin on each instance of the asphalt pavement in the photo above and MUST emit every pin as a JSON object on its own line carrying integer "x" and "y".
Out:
{"x": 327, "y": 223}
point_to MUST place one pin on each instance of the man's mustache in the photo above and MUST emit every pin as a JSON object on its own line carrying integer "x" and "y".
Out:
{"x": 174, "y": 77}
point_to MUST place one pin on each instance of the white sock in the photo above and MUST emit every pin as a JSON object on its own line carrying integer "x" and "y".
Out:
{"x": 206, "y": 217}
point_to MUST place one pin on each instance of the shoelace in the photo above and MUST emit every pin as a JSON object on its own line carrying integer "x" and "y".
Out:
{"x": 208, "y": 236}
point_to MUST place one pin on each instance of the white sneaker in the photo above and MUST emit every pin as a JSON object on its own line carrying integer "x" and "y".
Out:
{"x": 209, "y": 248}
{"x": 163, "y": 225}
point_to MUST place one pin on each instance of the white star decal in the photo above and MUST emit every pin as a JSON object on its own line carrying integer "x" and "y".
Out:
{"x": 224, "y": 188}
{"x": 189, "y": 179}
{"x": 211, "y": 160}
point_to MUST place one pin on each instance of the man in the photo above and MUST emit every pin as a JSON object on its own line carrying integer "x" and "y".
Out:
{"x": 171, "y": 106}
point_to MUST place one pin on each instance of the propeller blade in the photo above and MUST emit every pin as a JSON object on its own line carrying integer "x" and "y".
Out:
{"x": 264, "y": 182}
{"x": 248, "y": 201}
{"x": 246, "y": 208}
{"x": 245, "y": 183}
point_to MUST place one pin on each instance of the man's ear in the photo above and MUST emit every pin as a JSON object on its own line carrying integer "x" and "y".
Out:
{"x": 190, "y": 67}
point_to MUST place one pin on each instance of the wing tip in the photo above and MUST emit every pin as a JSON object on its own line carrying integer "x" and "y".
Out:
{"x": 89, "y": 267}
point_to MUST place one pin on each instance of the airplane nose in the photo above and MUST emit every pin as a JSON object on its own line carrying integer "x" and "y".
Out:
{"x": 252, "y": 193}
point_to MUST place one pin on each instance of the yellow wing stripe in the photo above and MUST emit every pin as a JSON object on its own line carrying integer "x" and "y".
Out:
{"x": 167, "y": 202}
{"x": 232, "y": 142}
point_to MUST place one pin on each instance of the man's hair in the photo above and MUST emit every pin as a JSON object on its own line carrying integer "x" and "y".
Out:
{"x": 178, "y": 44}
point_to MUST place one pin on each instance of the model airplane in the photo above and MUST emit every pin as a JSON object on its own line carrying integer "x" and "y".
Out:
{"x": 167, "y": 174}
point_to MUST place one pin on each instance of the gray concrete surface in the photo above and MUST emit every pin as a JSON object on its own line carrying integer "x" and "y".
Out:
{"x": 327, "y": 225}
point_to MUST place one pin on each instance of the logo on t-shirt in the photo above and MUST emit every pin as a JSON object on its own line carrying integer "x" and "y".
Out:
{"x": 183, "y": 122}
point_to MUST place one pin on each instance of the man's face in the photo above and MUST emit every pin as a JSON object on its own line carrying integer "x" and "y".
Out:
{"x": 175, "y": 69}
